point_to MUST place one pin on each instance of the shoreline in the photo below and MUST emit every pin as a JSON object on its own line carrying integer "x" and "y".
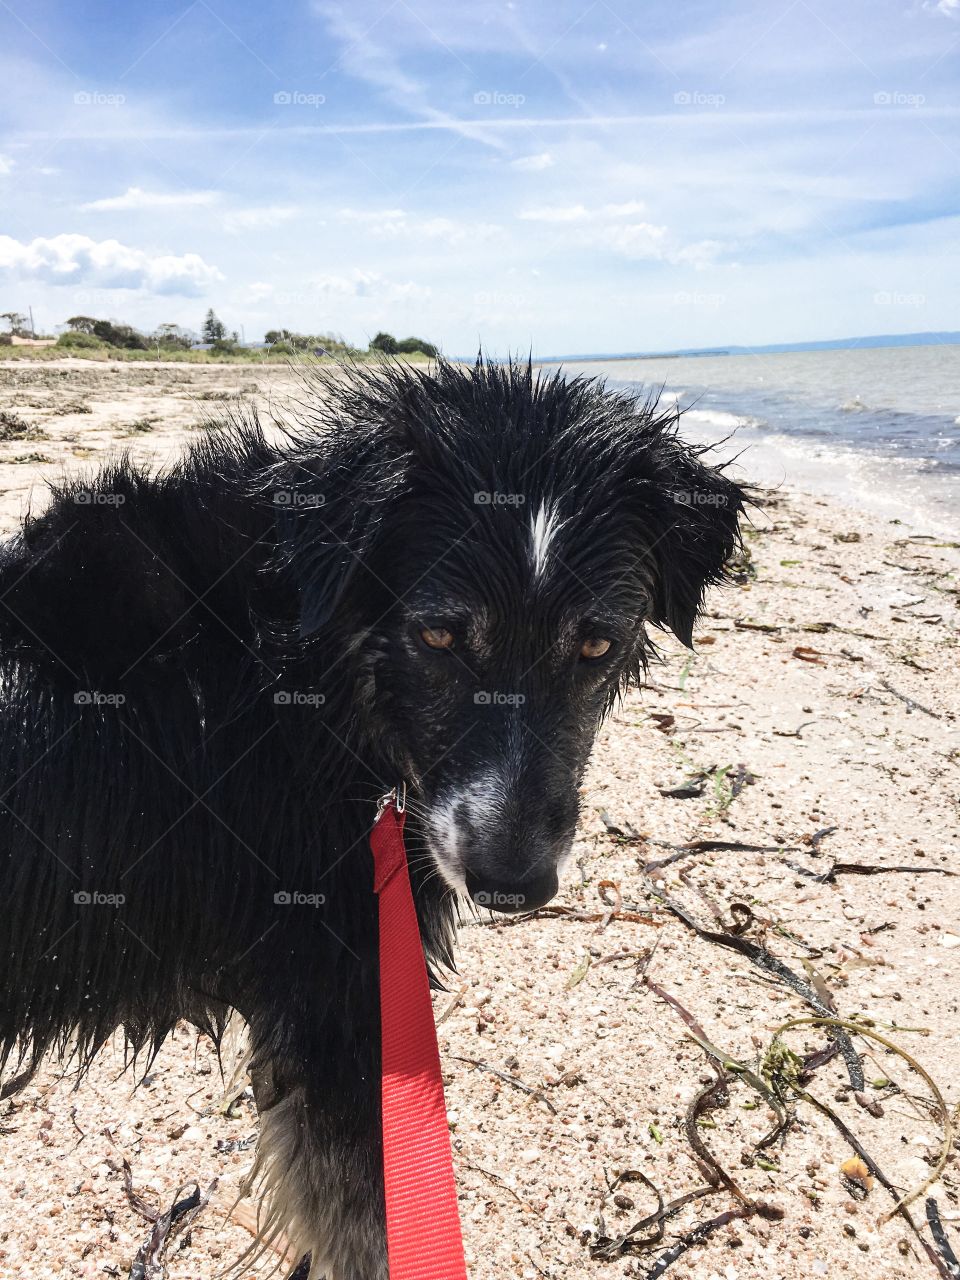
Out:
{"x": 872, "y": 455}
{"x": 813, "y": 727}
{"x": 838, "y": 471}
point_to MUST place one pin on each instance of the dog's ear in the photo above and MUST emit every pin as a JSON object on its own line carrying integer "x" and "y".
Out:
{"x": 695, "y": 535}
{"x": 328, "y": 514}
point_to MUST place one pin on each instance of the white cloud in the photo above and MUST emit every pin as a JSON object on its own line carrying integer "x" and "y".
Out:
{"x": 699, "y": 254}
{"x": 137, "y": 198}
{"x": 451, "y": 231}
{"x": 627, "y": 210}
{"x": 614, "y": 227}
{"x": 392, "y": 223}
{"x": 255, "y": 219}
{"x": 556, "y": 213}
{"x": 646, "y": 241}
{"x": 368, "y": 284}
{"x": 579, "y": 213}
{"x": 635, "y": 239}
{"x": 6, "y": 164}
{"x": 76, "y": 259}
{"x": 536, "y": 164}
{"x": 380, "y": 221}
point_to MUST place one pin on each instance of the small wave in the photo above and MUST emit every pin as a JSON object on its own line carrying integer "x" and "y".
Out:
{"x": 856, "y": 405}
{"x": 719, "y": 418}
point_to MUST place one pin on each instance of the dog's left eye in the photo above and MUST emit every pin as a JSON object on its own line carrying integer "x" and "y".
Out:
{"x": 595, "y": 647}
{"x": 437, "y": 637}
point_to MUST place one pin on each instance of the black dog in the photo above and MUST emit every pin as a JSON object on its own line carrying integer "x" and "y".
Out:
{"x": 210, "y": 675}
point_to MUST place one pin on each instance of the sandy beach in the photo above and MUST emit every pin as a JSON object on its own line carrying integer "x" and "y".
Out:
{"x": 788, "y": 790}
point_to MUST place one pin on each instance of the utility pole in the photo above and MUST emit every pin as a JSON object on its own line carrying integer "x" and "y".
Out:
{"x": 33, "y": 328}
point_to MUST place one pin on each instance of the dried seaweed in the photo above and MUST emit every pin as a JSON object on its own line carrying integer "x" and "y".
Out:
{"x": 726, "y": 1064}
{"x": 910, "y": 703}
{"x": 513, "y": 1081}
{"x": 940, "y": 1238}
{"x": 136, "y": 1200}
{"x": 704, "y": 1229}
{"x": 149, "y": 1262}
{"x": 771, "y": 964}
{"x": 944, "y": 1112}
{"x": 607, "y": 1248}
{"x": 868, "y": 869}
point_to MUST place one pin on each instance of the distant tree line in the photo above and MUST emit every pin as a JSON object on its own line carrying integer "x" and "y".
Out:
{"x": 392, "y": 346}
{"x": 90, "y": 332}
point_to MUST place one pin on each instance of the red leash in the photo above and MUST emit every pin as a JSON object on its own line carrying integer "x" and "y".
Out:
{"x": 423, "y": 1223}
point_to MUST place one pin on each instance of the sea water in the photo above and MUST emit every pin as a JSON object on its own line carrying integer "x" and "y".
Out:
{"x": 877, "y": 427}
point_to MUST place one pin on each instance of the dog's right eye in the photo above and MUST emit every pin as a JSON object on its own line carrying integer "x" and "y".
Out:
{"x": 595, "y": 647}
{"x": 437, "y": 637}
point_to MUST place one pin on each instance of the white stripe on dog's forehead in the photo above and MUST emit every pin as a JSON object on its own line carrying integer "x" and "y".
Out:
{"x": 543, "y": 529}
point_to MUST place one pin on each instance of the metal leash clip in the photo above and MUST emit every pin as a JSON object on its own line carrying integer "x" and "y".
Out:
{"x": 397, "y": 797}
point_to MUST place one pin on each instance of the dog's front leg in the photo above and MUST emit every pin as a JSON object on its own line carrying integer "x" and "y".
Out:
{"x": 319, "y": 1165}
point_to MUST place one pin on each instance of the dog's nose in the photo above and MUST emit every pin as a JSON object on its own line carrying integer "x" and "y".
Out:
{"x": 512, "y": 896}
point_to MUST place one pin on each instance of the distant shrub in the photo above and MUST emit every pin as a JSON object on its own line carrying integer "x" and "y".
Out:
{"x": 285, "y": 342}
{"x": 386, "y": 343}
{"x": 390, "y": 346}
{"x": 171, "y": 337}
{"x": 411, "y": 346}
{"x": 120, "y": 335}
{"x": 76, "y": 339}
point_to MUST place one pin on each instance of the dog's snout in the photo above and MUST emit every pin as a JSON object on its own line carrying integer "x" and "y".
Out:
{"x": 513, "y": 896}
{"x": 502, "y": 841}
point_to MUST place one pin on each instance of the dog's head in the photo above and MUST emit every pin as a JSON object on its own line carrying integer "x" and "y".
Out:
{"x": 492, "y": 545}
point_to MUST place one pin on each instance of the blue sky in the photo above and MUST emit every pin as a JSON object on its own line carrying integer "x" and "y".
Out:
{"x": 546, "y": 175}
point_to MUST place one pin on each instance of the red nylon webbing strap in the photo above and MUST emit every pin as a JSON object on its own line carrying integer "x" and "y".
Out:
{"x": 423, "y": 1223}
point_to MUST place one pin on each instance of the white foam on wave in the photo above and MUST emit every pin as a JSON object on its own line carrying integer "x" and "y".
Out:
{"x": 892, "y": 487}
{"x": 720, "y": 418}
